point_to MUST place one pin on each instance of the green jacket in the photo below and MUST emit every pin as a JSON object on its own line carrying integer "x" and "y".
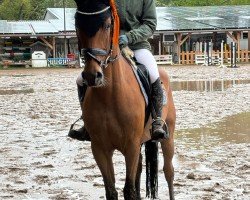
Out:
{"x": 138, "y": 21}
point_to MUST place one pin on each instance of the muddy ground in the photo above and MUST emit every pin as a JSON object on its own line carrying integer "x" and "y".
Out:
{"x": 38, "y": 161}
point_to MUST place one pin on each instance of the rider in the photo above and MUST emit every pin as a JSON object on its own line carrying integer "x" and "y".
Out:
{"x": 137, "y": 23}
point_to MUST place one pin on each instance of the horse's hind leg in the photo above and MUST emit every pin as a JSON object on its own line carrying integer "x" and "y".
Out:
{"x": 138, "y": 178}
{"x": 104, "y": 161}
{"x": 168, "y": 145}
{"x": 168, "y": 153}
{"x": 131, "y": 158}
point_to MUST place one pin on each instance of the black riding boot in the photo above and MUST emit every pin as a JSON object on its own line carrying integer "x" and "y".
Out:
{"x": 157, "y": 104}
{"x": 81, "y": 133}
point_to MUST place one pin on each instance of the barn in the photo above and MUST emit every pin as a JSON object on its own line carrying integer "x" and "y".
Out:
{"x": 182, "y": 34}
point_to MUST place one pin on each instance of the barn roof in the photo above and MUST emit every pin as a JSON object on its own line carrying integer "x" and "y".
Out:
{"x": 211, "y": 18}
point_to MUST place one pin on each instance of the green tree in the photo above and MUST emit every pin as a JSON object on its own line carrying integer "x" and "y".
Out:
{"x": 29, "y": 9}
{"x": 15, "y": 9}
{"x": 162, "y": 2}
{"x": 207, "y": 2}
{"x": 39, "y": 8}
{"x": 34, "y": 9}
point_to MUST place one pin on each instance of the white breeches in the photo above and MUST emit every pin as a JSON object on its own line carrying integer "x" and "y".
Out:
{"x": 144, "y": 57}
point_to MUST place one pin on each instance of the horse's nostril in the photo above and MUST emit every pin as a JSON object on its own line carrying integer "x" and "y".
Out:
{"x": 98, "y": 75}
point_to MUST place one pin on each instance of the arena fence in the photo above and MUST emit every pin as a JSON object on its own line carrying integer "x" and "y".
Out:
{"x": 192, "y": 57}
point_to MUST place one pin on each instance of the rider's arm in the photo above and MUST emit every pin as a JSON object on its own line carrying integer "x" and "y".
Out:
{"x": 148, "y": 24}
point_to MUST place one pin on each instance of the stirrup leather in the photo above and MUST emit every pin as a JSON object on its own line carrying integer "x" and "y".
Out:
{"x": 80, "y": 134}
{"x": 72, "y": 125}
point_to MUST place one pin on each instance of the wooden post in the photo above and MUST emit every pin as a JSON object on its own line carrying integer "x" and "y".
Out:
{"x": 179, "y": 43}
{"x": 221, "y": 54}
{"x": 238, "y": 44}
{"x": 183, "y": 57}
{"x": 161, "y": 44}
{"x": 187, "y": 57}
{"x": 231, "y": 36}
{"x": 185, "y": 38}
{"x": 247, "y": 56}
{"x": 248, "y": 40}
{"x": 159, "y": 47}
{"x": 46, "y": 42}
{"x": 214, "y": 37}
{"x": 226, "y": 55}
{"x": 179, "y": 35}
{"x": 54, "y": 46}
{"x": 242, "y": 56}
{"x": 192, "y": 57}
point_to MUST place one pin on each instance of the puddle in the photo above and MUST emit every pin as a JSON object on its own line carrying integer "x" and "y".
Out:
{"x": 21, "y": 91}
{"x": 206, "y": 85}
{"x": 16, "y": 75}
{"x": 234, "y": 129}
{"x": 22, "y": 75}
{"x": 231, "y": 130}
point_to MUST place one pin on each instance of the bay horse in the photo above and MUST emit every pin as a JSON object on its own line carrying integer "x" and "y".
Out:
{"x": 114, "y": 107}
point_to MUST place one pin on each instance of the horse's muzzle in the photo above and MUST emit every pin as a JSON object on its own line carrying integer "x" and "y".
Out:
{"x": 93, "y": 79}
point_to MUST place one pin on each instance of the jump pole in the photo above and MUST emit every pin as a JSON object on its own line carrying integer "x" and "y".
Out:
{"x": 233, "y": 55}
{"x": 210, "y": 53}
{"x": 205, "y": 54}
{"x": 222, "y": 54}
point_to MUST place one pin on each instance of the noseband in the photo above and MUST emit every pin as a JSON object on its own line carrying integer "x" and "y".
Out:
{"x": 94, "y": 52}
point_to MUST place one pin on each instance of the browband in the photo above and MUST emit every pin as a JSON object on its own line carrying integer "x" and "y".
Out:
{"x": 93, "y": 13}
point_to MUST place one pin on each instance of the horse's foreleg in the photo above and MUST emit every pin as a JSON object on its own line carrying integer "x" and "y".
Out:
{"x": 104, "y": 161}
{"x": 138, "y": 177}
{"x": 168, "y": 152}
{"x": 131, "y": 158}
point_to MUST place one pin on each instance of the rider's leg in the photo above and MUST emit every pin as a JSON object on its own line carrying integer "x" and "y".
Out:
{"x": 146, "y": 58}
{"x": 80, "y": 134}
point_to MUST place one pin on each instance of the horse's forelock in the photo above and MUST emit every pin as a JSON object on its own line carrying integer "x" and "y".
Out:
{"x": 90, "y": 24}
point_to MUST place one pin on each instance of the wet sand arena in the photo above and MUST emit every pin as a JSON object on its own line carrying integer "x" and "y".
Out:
{"x": 38, "y": 161}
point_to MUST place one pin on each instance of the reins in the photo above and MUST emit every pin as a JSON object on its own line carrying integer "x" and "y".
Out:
{"x": 94, "y": 52}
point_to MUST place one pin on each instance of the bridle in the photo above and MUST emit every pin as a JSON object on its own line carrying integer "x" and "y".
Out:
{"x": 94, "y": 52}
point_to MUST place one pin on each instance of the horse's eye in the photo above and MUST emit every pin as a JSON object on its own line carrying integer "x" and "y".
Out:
{"x": 107, "y": 26}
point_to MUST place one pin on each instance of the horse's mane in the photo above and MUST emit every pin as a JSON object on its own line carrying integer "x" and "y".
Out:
{"x": 90, "y": 24}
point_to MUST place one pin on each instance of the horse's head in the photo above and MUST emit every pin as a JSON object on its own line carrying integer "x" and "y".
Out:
{"x": 94, "y": 31}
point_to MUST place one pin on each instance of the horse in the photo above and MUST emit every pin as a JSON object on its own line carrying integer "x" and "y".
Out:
{"x": 114, "y": 107}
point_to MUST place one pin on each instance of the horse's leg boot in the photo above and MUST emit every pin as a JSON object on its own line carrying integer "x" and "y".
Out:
{"x": 81, "y": 133}
{"x": 157, "y": 131}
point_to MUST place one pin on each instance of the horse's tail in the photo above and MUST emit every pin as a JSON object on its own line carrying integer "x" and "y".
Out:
{"x": 151, "y": 151}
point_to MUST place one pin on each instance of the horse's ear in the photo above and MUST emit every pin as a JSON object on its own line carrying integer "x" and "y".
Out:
{"x": 81, "y": 2}
{"x": 78, "y": 2}
{"x": 106, "y": 2}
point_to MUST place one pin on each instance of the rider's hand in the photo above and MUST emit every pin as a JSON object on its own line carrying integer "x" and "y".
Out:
{"x": 123, "y": 41}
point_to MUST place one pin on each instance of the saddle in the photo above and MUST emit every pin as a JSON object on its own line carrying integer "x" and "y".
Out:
{"x": 142, "y": 76}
